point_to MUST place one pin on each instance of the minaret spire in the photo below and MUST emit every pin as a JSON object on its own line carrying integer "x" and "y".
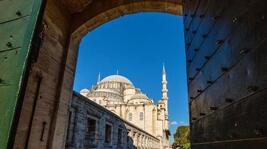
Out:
{"x": 98, "y": 78}
{"x": 163, "y": 69}
{"x": 164, "y": 84}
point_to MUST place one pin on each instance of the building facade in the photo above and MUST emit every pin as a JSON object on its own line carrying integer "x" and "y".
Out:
{"x": 93, "y": 126}
{"x": 118, "y": 94}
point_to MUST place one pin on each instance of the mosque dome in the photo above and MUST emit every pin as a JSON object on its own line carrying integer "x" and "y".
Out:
{"x": 111, "y": 88}
{"x": 116, "y": 78}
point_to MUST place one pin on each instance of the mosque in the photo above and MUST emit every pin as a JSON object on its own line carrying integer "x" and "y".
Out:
{"x": 119, "y": 95}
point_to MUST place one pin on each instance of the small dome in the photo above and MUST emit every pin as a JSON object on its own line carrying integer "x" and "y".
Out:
{"x": 84, "y": 91}
{"x": 116, "y": 78}
{"x": 139, "y": 96}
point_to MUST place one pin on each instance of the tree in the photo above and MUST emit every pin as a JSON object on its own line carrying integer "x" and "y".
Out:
{"x": 181, "y": 137}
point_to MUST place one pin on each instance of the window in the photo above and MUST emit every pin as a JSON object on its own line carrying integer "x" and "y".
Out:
{"x": 91, "y": 125}
{"x": 130, "y": 116}
{"x": 108, "y": 133}
{"x": 141, "y": 116}
{"x": 91, "y": 130}
{"x": 119, "y": 136}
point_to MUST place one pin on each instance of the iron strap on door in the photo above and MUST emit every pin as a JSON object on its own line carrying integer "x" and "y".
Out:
{"x": 17, "y": 24}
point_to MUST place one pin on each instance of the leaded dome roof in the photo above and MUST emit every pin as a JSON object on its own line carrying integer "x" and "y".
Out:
{"x": 116, "y": 78}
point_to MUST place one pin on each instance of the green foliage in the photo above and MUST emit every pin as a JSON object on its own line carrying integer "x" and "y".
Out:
{"x": 181, "y": 137}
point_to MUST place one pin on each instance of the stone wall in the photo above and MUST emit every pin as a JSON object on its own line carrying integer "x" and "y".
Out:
{"x": 39, "y": 111}
{"x": 78, "y": 136}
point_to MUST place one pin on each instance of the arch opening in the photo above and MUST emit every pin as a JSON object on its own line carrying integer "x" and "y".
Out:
{"x": 139, "y": 98}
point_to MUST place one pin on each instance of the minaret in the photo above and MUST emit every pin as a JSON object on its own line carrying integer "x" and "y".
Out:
{"x": 164, "y": 92}
{"x": 164, "y": 84}
{"x": 165, "y": 100}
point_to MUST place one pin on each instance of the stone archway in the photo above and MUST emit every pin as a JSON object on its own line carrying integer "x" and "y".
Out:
{"x": 84, "y": 22}
{"x": 44, "y": 115}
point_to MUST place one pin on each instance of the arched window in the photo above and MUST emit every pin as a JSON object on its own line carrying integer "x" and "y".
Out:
{"x": 130, "y": 116}
{"x": 141, "y": 116}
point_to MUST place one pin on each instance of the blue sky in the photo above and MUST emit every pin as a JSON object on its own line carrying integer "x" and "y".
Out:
{"x": 137, "y": 45}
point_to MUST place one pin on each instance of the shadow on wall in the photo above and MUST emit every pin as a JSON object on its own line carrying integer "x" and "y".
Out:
{"x": 92, "y": 126}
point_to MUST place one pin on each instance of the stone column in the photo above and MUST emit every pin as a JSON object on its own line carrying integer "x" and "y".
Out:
{"x": 146, "y": 145}
{"x": 135, "y": 139}
{"x": 142, "y": 141}
{"x": 149, "y": 143}
{"x": 138, "y": 141}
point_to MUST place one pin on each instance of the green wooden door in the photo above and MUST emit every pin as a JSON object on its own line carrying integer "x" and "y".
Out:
{"x": 17, "y": 23}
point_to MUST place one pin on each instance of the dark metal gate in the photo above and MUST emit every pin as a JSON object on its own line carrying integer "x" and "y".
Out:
{"x": 226, "y": 43}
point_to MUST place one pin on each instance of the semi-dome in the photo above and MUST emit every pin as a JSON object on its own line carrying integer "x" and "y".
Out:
{"x": 139, "y": 96}
{"x": 116, "y": 78}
